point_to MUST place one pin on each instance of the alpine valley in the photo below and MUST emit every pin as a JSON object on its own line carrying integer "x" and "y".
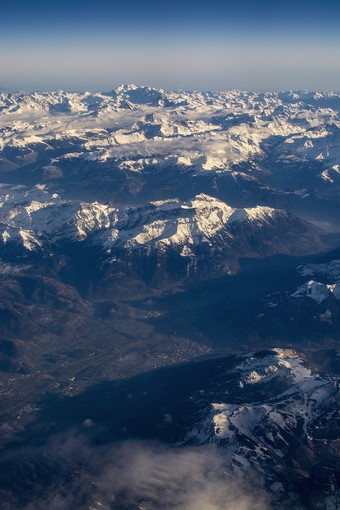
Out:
{"x": 169, "y": 300}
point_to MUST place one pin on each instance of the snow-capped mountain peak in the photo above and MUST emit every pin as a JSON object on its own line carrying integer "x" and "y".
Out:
{"x": 251, "y": 428}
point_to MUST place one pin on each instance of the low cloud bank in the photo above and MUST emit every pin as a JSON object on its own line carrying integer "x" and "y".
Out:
{"x": 71, "y": 474}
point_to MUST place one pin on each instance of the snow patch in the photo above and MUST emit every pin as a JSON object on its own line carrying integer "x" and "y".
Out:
{"x": 313, "y": 290}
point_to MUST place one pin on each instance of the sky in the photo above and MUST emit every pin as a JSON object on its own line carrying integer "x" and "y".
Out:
{"x": 241, "y": 44}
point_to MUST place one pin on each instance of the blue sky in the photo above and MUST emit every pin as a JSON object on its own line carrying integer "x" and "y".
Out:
{"x": 249, "y": 45}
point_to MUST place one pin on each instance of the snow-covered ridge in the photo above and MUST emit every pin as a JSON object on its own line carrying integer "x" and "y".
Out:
{"x": 171, "y": 221}
{"x": 317, "y": 291}
{"x": 31, "y": 216}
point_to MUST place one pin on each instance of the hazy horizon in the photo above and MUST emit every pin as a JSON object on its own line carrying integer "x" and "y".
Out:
{"x": 257, "y": 46}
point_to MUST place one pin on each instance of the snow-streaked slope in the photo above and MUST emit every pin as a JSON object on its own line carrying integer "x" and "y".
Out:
{"x": 253, "y": 428}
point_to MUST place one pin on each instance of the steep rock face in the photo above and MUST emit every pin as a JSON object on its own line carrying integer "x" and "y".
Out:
{"x": 202, "y": 232}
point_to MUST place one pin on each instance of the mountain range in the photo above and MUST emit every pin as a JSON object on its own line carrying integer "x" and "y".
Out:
{"x": 169, "y": 272}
